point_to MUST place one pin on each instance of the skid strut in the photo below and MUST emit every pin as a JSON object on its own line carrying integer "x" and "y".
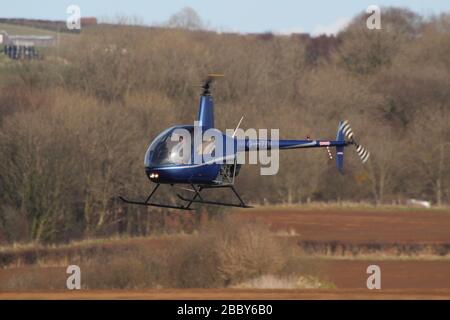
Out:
{"x": 241, "y": 203}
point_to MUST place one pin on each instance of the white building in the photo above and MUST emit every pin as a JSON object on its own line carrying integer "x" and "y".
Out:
{"x": 26, "y": 41}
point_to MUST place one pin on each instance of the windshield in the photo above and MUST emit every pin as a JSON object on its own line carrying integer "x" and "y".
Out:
{"x": 171, "y": 147}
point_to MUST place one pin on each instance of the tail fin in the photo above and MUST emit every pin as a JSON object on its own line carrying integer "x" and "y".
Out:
{"x": 340, "y": 149}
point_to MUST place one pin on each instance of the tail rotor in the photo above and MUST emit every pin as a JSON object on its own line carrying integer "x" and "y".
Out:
{"x": 345, "y": 132}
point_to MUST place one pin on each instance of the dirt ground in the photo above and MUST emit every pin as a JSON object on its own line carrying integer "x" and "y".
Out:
{"x": 406, "y": 278}
{"x": 395, "y": 275}
{"x": 358, "y": 225}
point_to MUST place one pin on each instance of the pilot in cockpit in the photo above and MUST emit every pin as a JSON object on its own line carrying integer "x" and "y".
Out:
{"x": 178, "y": 155}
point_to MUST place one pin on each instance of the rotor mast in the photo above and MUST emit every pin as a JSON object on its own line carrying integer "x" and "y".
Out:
{"x": 206, "y": 105}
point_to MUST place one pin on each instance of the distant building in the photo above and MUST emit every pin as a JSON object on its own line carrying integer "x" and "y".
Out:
{"x": 88, "y": 21}
{"x": 26, "y": 40}
{"x": 24, "y": 46}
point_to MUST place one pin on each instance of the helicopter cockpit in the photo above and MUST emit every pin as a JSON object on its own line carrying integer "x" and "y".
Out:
{"x": 170, "y": 147}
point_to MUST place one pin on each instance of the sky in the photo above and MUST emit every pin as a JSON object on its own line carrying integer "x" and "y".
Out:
{"x": 246, "y": 16}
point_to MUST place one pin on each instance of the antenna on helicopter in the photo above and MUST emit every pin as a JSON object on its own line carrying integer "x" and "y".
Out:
{"x": 237, "y": 127}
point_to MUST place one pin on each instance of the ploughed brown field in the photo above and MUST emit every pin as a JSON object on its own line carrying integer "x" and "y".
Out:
{"x": 410, "y": 246}
{"x": 400, "y": 280}
{"x": 401, "y": 226}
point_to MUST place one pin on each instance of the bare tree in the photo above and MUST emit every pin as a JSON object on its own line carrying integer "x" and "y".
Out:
{"x": 431, "y": 156}
{"x": 186, "y": 18}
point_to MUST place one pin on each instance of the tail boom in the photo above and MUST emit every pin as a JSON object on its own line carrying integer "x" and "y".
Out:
{"x": 254, "y": 145}
{"x": 344, "y": 138}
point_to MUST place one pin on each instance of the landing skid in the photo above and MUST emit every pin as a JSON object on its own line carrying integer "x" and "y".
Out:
{"x": 197, "y": 198}
{"x": 149, "y": 204}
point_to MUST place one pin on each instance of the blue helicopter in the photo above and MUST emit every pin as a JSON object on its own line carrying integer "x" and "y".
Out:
{"x": 180, "y": 156}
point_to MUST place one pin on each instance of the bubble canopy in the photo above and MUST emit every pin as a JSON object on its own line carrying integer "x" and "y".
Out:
{"x": 167, "y": 149}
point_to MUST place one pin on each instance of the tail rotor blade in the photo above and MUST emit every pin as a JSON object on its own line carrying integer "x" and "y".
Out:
{"x": 348, "y": 132}
{"x": 363, "y": 153}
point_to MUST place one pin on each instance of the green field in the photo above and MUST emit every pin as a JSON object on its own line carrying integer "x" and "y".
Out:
{"x": 13, "y": 29}
{"x": 6, "y": 64}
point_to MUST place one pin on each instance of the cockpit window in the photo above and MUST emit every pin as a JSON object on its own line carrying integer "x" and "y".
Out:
{"x": 171, "y": 147}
